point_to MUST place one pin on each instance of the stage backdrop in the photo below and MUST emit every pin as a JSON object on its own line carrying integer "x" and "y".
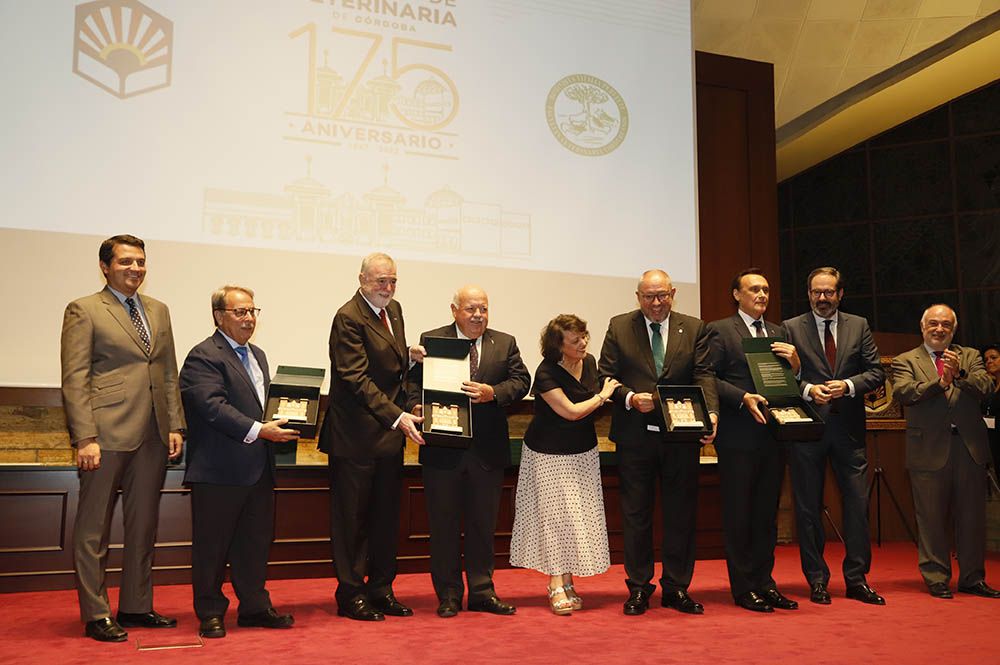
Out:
{"x": 542, "y": 149}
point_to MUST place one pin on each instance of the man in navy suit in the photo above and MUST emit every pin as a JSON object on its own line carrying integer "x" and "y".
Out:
{"x": 230, "y": 466}
{"x": 751, "y": 462}
{"x": 468, "y": 482}
{"x": 840, "y": 363}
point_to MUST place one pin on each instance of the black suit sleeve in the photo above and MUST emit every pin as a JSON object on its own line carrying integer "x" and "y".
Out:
{"x": 204, "y": 391}
{"x": 518, "y": 380}
{"x": 872, "y": 374}
{"x": 350, "y": 360}
{"x": 610, "y": 365}
{"x": 718, "y": 354}
{"x": 704, "y": 372}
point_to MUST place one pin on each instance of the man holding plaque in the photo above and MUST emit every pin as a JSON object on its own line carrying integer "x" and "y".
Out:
{"x": 941, "y": 385}
{"x": 751, "y": 461}
{"x": 840, "y": 363}
{"x": 645, "y": 347}
{"x": 363, "y": 435}
{"x": 230, "y": 466}
{"x": 468, "y": 482}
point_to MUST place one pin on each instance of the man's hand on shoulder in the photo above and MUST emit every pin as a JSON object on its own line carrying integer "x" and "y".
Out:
{"x": 275, "y": 431}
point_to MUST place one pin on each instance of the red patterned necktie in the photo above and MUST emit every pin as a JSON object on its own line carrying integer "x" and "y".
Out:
{"x": 939, "y": 362}
{"x": 829, "y": 345}
{"x": 473, "y": 361}
{"x": 385, "y": 320}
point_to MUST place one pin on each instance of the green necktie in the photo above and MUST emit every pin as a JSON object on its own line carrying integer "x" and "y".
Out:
{"x": 657, "y": 347}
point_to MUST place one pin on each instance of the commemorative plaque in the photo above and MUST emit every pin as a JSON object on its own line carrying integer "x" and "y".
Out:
{"x": 447, "y": 410}
{"x": 294, "y": 396}
{"x": 685, "y": 414}
{"x": 789, "y": 417}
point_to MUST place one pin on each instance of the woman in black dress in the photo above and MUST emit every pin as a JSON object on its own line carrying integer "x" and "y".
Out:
{"x": 559, "y": 523}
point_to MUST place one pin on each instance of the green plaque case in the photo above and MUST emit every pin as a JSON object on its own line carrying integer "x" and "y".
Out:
{"x": 294, "y": 383}
{"x": 773, "y": 378}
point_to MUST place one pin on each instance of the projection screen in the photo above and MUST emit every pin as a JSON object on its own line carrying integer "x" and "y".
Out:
{"x": 542, "y": 149}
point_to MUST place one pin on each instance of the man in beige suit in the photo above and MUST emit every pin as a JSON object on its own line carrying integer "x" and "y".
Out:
{"x": 123, "y": 408}
{"x": 941, "y": 385}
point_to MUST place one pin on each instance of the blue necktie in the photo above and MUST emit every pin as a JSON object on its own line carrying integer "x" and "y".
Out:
{"x": 242, "y": 351}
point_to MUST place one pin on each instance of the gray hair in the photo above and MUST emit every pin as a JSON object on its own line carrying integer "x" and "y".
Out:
{"x": 923, "y": 317}
{"x": 219, "y": 298}
{"x": 375, "y": 257}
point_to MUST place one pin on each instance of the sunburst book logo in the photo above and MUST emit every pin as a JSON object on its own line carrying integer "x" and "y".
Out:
{"x": 122, "y": 46}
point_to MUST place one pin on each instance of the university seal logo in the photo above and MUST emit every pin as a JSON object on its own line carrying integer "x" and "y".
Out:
{"x": 122, "y": 46}
{"x": 586, "y": 115}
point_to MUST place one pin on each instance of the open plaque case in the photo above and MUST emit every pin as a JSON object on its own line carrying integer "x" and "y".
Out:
{"x": 447, "y": 410}
{"x": 789, "y": 417}
{"x": 294, "y": 394}
{"x": 685, "y": 413}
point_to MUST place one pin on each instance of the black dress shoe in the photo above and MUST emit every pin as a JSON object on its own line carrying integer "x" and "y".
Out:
{"x": 151, "y": 619}
{"x": 493, "y": 605}
{"x": 637, "y": 603}
{"x": 774, "y": 598}
{"x": 448, "y": 608}
{"x": 105, "y": 630}
{"x": 865, "y": 594}
{"x": 818, "y": 594}
{"x": 212, "y": 628}
{"x": 682, "y": 602}
{"x": 753, "y": 601}
{"x": 359, "y": 610}
{"x": 268, "y": 618}
{"x": 939, "y": 590}
{"x": 980, "y": 589}
{"x": 388, "y": 604}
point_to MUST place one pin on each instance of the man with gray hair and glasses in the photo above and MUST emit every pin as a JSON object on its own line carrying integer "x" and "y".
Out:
{"x": 941, "y": 385}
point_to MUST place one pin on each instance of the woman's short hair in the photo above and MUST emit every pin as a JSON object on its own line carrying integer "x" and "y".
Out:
{"x": 553, "y": 332}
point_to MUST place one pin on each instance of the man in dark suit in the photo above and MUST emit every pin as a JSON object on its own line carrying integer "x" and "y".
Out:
{"x": 468, "y": 482}
{"x": 751, "y": 462}
{"x": 649, "y": 346}
{"x": 840, "y": 363}
{"x": 123, "y": 409}
{"x": 363, "y": 434}
{"x": 941, "y": 385}
{"x": 230, "y": 466}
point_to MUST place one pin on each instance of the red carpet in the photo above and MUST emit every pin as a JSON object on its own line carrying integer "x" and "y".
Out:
{"x": 913, "y": 628}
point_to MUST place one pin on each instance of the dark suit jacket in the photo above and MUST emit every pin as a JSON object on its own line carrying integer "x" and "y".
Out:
{"x": 500, "y": 366}
{"x": 628, "y": 357}
{"x": 930, "y": 412}
{"x": 367, "y": 382}
{"x": 857, "y": 360}
{"x": 110, "y": 384}
{"x": 737, "y": 428}
{"x": 221, "y": 405}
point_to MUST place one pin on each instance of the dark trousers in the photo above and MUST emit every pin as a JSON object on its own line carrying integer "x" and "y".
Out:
{"x": 676, "y": 466}
{"x": 958, "y": 491}
{"x": 234, "y": 524}
{"x": 364, "y": 524}
{"x": 139, "y": 475}
{"x": 807, "y": 461}
{"x": 750, "y": 483}
{"x": 473, "y": 490}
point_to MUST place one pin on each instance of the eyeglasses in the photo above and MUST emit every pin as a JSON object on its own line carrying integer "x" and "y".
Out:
{"x": 816, "y": 293}
{"x": 650, "y": 297}
{"x": 240, "y": 312}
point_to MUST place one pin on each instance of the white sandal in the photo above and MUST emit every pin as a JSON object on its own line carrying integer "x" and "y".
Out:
{"x": 561, "y": 607}
{"x": 573, "y": 596}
